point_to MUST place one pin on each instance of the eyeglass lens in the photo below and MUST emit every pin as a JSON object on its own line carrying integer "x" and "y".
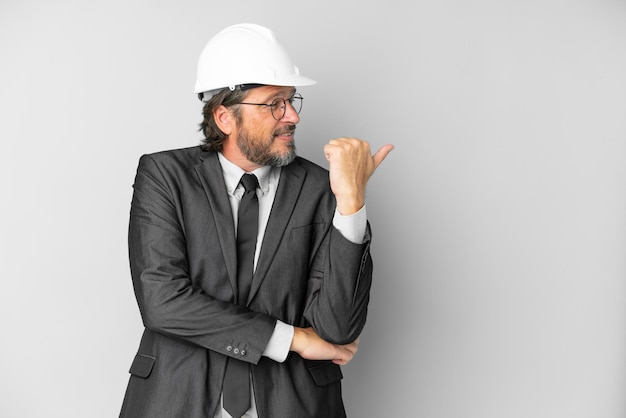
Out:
{"x": 279, "y": 106}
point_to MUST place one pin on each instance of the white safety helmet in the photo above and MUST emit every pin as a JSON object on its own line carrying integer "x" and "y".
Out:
{"x": 245, "y": 54}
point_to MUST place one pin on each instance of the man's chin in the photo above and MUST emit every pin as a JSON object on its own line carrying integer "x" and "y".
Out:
{"x": 283, "y": 160}
{"x": 284, "y": 155}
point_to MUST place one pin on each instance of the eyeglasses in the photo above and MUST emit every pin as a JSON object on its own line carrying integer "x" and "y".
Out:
{"x": 279, "y": 106}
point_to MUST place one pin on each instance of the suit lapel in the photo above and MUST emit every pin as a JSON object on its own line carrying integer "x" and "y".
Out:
{"x": 210, "y": 173}
{"x": 291, "y": 180}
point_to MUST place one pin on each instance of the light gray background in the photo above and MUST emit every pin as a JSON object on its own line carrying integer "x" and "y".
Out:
{"x": 498, "y": 220}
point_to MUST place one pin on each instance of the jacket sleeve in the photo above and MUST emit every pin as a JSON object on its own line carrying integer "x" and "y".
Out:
{"x": 169, "y": 301}
{"x": 339, "y": 288}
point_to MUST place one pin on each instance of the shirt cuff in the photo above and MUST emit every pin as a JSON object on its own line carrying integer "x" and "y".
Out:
{"x": 352, "y": 227}
{"x": 278, "y": 346}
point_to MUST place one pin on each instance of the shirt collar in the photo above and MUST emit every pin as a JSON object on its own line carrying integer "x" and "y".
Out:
{"x": 233, "y": 173}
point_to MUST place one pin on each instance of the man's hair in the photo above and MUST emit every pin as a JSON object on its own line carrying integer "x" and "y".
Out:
{"x": 213, "y": 137}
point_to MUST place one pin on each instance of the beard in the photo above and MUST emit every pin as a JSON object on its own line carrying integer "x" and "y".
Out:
{"x": 260, "y": 151}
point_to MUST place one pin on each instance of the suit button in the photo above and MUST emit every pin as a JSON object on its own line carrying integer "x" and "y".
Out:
{"x": 236, "y": 351}
{"x": 229, "y": 348}
{"x": 244, "y": 352}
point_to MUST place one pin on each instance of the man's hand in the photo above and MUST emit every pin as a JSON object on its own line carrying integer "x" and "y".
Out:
{"x": 310, "y": 346}
{"x": 351, "y": 166}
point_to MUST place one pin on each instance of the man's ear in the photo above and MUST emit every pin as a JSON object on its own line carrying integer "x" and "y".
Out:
{"x": 224, "y": 119}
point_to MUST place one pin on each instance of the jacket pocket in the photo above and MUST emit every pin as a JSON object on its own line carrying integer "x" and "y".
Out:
{"x": 142, "y": 365}
{"x": 324, "y": 372}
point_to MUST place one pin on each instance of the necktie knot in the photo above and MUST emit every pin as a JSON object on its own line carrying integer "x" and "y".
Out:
{"x": 249, "y": 182}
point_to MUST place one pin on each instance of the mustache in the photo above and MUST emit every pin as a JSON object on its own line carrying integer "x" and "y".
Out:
{"x": 290, "y": 129}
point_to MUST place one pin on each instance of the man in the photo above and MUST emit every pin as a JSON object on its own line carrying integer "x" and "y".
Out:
{"x": 287, "y": 327}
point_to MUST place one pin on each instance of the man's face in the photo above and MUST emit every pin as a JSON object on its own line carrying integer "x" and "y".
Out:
{"x": 261, "y": 138}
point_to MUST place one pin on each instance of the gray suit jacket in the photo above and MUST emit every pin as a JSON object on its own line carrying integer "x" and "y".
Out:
{"x": 183, "y": 265}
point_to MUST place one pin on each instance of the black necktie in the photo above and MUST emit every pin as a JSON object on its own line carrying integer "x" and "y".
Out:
{"x": 247, "y": 229}
{"x": 236, "y": 387}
